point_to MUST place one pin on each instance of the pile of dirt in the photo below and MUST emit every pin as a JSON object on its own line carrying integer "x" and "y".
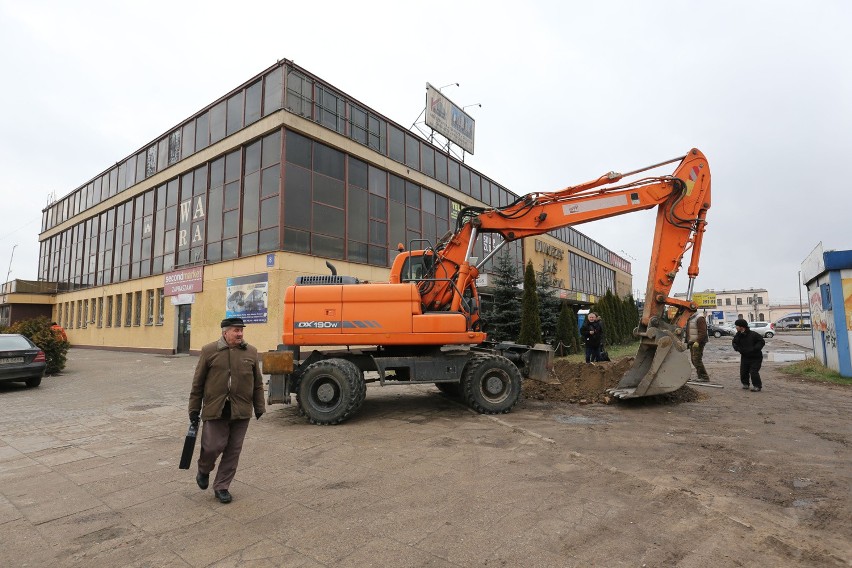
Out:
{"x": 587, "y": 383}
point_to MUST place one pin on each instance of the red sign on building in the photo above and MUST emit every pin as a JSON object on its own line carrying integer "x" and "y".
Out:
{"x": 186, "y": 281}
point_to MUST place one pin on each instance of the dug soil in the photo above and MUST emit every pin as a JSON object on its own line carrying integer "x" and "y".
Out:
{"x": 586, "y": 383}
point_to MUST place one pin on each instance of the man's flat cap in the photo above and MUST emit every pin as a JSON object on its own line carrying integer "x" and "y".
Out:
{"x": 233, "y": 322}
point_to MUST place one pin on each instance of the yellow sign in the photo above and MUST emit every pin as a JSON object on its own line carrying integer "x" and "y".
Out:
{"x": 704, "y": 299}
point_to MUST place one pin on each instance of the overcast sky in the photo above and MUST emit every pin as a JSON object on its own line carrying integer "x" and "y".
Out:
{"x": 569, "y": 90}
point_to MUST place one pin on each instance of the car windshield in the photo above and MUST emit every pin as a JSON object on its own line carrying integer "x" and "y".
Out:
{"x": 14, "y": 342}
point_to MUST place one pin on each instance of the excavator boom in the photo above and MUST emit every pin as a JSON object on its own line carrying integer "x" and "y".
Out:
{"x": 682, "y": 200}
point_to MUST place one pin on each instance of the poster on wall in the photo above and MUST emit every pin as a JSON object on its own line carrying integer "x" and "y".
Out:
{"x": 847, "y": 301}
{"x": 246, "y": 297}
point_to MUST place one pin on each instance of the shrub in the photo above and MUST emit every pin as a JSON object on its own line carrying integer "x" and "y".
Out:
{"x": 39, "y": 332}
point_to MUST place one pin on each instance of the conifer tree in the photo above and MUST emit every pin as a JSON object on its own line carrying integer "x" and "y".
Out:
{"x": 530, "y": 333}
{"x": 502, "y": 321}
{"x": 549, "y": 305}
{"x": 567, "y": 331}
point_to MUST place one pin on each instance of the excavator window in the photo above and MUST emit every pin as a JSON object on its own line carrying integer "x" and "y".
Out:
{"x": 413, "y": 269}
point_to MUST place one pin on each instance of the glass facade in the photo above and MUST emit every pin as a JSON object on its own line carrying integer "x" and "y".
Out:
{"x": 280, "y": 191}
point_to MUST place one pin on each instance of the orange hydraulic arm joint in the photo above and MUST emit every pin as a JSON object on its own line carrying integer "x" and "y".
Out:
{"x": 662, "y": 363}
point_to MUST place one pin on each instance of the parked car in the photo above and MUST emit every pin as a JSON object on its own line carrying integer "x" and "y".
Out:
{"x": 720, "y": 330}
{"x": 793, "y": 322}
{"x": 21, "y": 360}
{"x": 764, "y": 328}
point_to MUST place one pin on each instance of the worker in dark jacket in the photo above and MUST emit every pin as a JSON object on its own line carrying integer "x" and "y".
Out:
{"x": 593, "y": 334}
{"x": 749, "y": 345}
{"x": 696, "y": 339}
{"x": 226, "y": 387}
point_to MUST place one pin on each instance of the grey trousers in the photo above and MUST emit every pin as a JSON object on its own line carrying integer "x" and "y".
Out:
{"x": 225, "y": 438}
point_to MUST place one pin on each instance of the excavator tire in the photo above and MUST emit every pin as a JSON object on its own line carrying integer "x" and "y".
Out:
{"x": 330, "y": 391}
{"x": 491, "y": 384}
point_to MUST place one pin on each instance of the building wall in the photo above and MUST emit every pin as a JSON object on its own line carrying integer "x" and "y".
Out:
{"x": 137, "y": 208}
{"x": 830, "y": 302}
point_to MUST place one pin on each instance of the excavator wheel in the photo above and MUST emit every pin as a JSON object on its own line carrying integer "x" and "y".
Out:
{"x": 330, "y": 391}
{"x": 491, "y": 384}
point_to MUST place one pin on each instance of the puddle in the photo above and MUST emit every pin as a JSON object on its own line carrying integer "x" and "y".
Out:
{"x": 568, "y": 419}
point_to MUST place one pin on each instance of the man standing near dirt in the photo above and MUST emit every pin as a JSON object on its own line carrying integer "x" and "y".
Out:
{"x": 696, "y": 339}
{"x": 749, "y": 345}
{"x": 226, "y": 385}
{"x": 592, "y": 332}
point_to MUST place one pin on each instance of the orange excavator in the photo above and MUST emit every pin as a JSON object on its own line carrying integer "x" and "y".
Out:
{"x": 425, "y": 326}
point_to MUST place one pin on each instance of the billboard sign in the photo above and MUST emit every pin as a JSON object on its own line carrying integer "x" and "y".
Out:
{"x": 449, "y": 120}
{"x": 704, "y": 299}
{"x": 186, "y": 281}
{"x": 247, "y": 297}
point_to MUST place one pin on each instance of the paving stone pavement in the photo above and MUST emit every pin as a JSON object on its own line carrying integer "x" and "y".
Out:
{"x": 89, "y": 477}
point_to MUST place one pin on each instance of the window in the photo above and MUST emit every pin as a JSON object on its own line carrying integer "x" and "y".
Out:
{"x": 138, "y": 309}
{"x": 299, "y": 93}
{"x": 149, "y": 311}
{"x": 85, "y": 313}
{"x": 109, "y": 311}
{"x": 161, "y": 308}
{"x": 128, "y": 309}
{"x": 100, "y": 312}
{"x": 118, "y": 312}
{"x": 718, "y": 301}
{"x": 739, "y": 301}
{"x": 727, "y": 301}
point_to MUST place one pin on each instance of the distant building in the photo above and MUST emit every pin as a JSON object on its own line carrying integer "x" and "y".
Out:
{"x": 750, "y": 304}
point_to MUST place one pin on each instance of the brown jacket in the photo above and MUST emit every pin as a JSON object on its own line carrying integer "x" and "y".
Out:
{"x": 227, "y": 373}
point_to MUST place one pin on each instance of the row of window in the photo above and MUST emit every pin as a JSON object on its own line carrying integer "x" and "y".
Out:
{"x": 739, "y": 301}
{"x": 316, "y": 101}
{"x": 589, "y": 276}
{"x": 119, "y": 310}
{"x": 591, "y": 247}
{"x": 245, "y": 106}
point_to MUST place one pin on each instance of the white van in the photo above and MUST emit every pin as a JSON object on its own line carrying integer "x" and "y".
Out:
{"x": 793, "y": 321}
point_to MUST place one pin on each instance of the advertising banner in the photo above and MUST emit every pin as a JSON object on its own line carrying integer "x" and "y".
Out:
{"x": 704, "y": 299}
{"x": 246, "y": 297}
{"x": 449, "y": 120}
{"x": 186, "y": 281}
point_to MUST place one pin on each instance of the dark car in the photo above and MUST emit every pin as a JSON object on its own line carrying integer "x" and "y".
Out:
{"x": 21, "y": 360}
{"x": 720, "y": 330}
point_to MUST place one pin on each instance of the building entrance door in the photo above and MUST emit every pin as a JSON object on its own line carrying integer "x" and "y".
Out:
{"x": 184, "y": 326}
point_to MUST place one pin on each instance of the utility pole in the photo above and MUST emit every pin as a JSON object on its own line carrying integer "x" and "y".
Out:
{"x": 10, "y": 266}
{"x": 754, "y": 304}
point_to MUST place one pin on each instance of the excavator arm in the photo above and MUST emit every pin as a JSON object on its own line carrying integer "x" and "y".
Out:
{"x": 682, "y": 200}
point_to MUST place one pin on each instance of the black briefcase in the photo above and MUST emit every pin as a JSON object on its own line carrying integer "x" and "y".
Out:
{"x": 188, "y": 446}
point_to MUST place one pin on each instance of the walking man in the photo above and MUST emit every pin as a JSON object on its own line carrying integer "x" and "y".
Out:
{"x": 749, "y": 345}
{"x": 226, "y": 387}
{"x": 696, "y": 339}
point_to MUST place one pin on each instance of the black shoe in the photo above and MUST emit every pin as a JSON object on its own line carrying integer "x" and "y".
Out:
{"x": 223, "y": 495}
{"x": 755, "y": 389}
{"x": 202, "y": 479}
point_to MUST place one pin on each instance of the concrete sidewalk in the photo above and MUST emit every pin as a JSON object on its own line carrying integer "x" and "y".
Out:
{"x": 89, "y": 477}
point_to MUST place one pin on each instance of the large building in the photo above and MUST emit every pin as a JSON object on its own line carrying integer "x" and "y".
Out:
{"x": 223, "y": 211}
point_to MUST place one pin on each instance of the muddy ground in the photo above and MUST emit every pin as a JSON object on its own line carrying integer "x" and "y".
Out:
{"x": 89, "y": 476}
{"x": 777, "y": 463}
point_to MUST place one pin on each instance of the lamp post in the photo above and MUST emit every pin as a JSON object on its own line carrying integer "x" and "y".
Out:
{"x": 754, "y": 304}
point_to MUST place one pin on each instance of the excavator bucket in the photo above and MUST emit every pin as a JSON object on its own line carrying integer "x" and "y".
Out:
{"x": 661, "y": 366}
